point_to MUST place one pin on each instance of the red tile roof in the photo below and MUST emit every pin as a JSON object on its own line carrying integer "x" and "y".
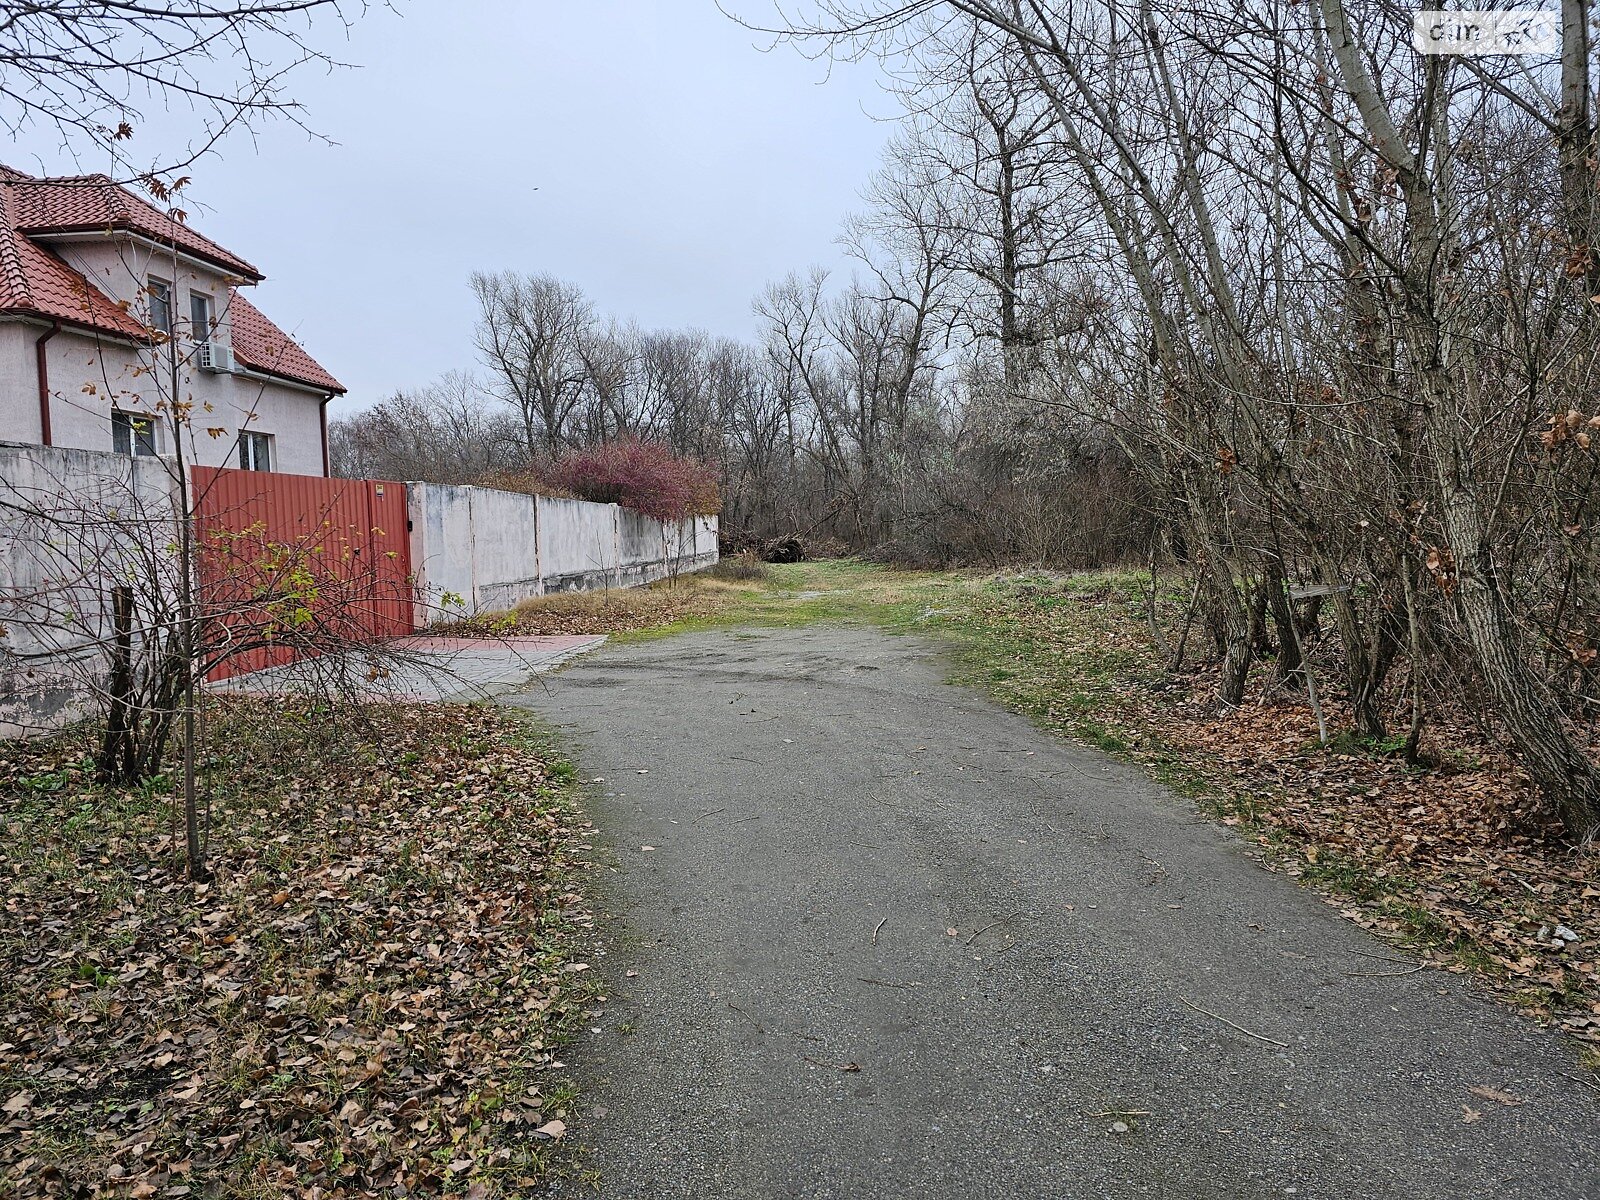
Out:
{"x": 93, "y": 204}
{"x": 36, "y": 282}
{"x": 262, "y": 346}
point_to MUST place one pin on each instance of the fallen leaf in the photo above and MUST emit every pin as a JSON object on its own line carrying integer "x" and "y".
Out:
{"x": 363, "y": 937}
{"x": 1495, "y": 1094}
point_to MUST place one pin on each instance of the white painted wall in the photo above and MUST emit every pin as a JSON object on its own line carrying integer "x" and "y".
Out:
{"x": 121, "y": 268}
{"x": 472, "y": 549}
{"x": 505, "y": 541}
{"x": 19, "y": 387}
{"x": 442, "y": 559}
{"x": 490, "y": 550}
{"x": 578, "y": 549}
{"x": 89, "y": 377}
{"x": 679, "y": 536}
{"x": 119, "y": 374}
{"x": 705, "y": 538}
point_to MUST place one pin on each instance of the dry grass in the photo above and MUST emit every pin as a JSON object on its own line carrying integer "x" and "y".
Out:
{"x": 616, "y": 610}
{"x": 739, "y": 568}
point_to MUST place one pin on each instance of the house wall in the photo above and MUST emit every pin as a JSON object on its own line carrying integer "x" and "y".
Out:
{"x": 120, "y": 269}
{"x": 19, "y": 387}
{"x": 90, "y": 376}
{"x": 119, "y": 374}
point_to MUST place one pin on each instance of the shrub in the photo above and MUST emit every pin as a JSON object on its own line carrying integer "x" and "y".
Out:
{"x": 645, "y": 476}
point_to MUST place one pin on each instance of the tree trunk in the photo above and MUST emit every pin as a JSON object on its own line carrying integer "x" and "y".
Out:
{"x": 1289, "y": 658}
{"x": 117, "y": 759}
{"x": 1544, "y": 739}
{"x": 1576, "y": 150}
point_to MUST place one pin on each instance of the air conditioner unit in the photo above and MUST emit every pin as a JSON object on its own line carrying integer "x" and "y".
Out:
{"x": 215, "y": 358}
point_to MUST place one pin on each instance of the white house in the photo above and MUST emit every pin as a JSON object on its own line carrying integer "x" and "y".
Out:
{"x": 105, "y": 301}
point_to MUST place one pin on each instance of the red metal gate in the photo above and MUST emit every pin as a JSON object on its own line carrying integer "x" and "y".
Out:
{"x": 295, "y": 565}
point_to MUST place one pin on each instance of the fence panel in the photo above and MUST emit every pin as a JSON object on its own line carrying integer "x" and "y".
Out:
{"x": 291, "y": 564}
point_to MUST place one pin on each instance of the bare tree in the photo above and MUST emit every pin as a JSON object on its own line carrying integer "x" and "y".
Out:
{"x": 85, "y": 67}
{"x": 450, "y": 431}
{"x": 1307, "y": 299}
{"x": 531, "y": 333}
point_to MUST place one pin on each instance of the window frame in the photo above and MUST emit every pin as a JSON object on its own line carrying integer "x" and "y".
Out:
{"x": 159, "y": 292}
{"x": 133, "y": 434}
{"x": 255, "y": 450}
{"x": 201, "y": 327}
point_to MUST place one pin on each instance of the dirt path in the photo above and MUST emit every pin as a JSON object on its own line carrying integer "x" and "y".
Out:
{"x": 892, "y": 941}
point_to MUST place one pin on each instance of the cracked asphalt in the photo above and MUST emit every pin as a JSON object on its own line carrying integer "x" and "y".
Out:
{"x": 1128, "y": 1004}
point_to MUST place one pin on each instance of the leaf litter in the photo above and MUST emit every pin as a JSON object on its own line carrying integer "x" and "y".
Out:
{"x": 369, "y": 998}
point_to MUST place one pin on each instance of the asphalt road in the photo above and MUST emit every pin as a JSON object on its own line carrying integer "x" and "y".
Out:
{"x": 892, "y": 941}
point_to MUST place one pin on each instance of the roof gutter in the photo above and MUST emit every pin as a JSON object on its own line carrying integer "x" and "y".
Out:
{"x": 41, "y": 362}
{"x": 44, "y": 320}
{"x": 289, "y": 381}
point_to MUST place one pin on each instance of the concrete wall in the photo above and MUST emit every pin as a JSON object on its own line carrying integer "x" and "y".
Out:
{"x": 442, "y": 560}
{"x": 480, "y": 550}
{"x": 505, "y": 539}
{"x": 72, "y": 522}
{"x": 577, "y": 544}
{"x": 691, "y": 545}
{"x": 641, "y": 548}
{"x": 705, "y": 539}
{"x": 472, "y": 549}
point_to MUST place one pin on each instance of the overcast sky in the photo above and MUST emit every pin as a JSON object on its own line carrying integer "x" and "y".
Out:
{"x": 647, "y": 150}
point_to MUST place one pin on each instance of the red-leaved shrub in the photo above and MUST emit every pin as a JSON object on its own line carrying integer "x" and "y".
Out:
{"x": 641, "y": 475}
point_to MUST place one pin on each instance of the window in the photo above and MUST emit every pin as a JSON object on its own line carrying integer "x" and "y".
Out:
{"x": 133, "y": 434}
{"x": 158, "y": 298}
{"x": 199, "y": 317}
{"x": 255, "y": 451}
